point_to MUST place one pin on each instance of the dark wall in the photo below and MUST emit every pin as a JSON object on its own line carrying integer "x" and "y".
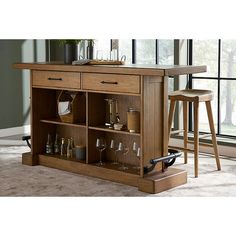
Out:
{"x": 15, "y": 84}
{"x": 11, "y": 92}
{"x": 56, "y": 51}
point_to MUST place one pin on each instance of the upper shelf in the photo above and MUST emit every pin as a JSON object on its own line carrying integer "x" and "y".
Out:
{"x": 57, "y": 121}
{"x": 103, "y": 128}
{"x": 135, "y": 69}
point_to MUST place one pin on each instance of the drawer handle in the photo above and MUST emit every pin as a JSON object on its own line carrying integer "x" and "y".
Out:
{"x": 108, "y": 82}
{"x": 55, "y": 79}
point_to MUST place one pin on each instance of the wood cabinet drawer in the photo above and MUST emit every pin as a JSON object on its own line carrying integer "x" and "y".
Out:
{"x": 56, "y": 79}
{"x": 111, "y": 82}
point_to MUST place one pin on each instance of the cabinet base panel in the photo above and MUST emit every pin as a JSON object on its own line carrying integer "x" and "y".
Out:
{"x": 159, "y": 182}
{"x": 27, "y": 159}
{"x": 152, "y": 183}
{"x": 90, "y": 170}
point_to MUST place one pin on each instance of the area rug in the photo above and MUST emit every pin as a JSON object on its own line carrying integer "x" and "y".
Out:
{"x": 21, "y": 180}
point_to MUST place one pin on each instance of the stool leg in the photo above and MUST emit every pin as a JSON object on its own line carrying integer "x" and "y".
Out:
{"x": 185, "y": 122}
{"x": 171, "y": 116}
{"x": 212, "y": 128}
{"x": 196, "y": 137}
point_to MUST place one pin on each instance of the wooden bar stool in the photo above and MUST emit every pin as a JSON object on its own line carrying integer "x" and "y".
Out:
{"x": 195, "y": 96}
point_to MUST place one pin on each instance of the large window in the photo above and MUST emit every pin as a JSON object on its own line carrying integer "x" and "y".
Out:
{"x": 220, "y": 58}
{"x": 146, "y": 51}
{"x": 102, "y": 48}
{"x": 141, "y": 51}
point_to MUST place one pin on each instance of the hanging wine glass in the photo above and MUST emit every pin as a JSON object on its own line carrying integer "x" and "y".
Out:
{"x": 135, "y": 149}
{"x": 114, "y": 149}
{"x": 124, "y": 150}
{"x": 101, "y": 146}
{"x": 139, "y": 153}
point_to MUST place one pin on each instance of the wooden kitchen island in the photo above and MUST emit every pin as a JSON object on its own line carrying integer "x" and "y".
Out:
{"x": 143, "y": 87}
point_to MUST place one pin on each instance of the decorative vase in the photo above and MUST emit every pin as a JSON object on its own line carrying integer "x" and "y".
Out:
{"x": 70, "y": 53}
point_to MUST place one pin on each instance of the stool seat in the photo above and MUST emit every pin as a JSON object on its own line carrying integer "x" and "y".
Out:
{"x": 192, "y": 95}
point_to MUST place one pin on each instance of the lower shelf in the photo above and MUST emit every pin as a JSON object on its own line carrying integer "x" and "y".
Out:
{"x": 56, "y": 156}
{"x": 90, "y": 170}
{"x": 151, "y": 183}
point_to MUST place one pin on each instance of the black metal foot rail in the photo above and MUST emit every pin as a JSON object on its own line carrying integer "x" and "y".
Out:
{"x": 27, "y": 138}
{"x": 168, "y": 160}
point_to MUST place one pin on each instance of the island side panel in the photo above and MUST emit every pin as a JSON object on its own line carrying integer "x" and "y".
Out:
{"x": 43, "y": 106}
{"x": 153, "y": 108}
{"x": 165, "y": 116}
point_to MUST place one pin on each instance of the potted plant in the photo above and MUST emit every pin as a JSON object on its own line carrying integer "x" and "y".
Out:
{"x": 70, "y": 49}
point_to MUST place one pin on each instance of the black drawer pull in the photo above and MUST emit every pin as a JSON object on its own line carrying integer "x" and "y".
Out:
{"x": 55, "y": 79}
{"x": 108, "y": 82}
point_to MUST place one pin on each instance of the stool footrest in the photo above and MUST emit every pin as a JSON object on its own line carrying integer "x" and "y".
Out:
{"x": 201, "y": 144}
{"x": 181, "y": 148}
{"x": 204, "y": 135}
{"x": 177, "y": 131}
{"x": 182, "y": 130}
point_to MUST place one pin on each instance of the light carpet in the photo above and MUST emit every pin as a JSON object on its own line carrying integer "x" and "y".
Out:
{"x": 21, "y": 180}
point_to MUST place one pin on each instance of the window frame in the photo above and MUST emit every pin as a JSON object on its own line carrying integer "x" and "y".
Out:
{"x": 219, "y": 78}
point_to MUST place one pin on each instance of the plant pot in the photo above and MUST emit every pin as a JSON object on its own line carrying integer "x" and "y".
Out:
{"x": 70, "y": 53}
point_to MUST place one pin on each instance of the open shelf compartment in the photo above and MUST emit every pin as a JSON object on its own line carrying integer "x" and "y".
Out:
{"x": 97, "y": 110}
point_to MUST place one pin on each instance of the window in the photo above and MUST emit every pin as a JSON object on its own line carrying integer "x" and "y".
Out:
{"x": 146, "y": 51}
{"x": 102, "y": 48}
{"x": 220, "y": 58}
{"x": 140, "y": 51}
{"x": 165, "y": 48}
{"x": 125, "y": 48}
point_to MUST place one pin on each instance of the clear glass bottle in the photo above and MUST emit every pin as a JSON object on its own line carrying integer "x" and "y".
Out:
{"x": 56, "y": 145}
{"x": 49, "y": 145}
{"x": 72, "y": 147}
{"x": 69, "y": 149}
{"x": 72, "y": 142}
{"x": 62, "y": 147}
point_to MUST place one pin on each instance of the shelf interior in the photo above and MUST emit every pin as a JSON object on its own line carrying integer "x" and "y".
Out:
{"x": 90, "y": 127}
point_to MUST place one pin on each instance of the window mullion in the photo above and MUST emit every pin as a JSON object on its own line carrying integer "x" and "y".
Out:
{"x": 218, "y": 102}
{"x": 190, "y": 61}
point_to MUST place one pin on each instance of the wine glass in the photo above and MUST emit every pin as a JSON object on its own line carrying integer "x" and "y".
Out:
{"x": 99, "y": 55}
{"x": 113, "y": 149}
{"x": 114, "y": 55}
{"x": 101, "y": 146}
{"x": 138, "y": 155}
{"x": 124, "y": 150}
{"x": 135, "y": 149}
